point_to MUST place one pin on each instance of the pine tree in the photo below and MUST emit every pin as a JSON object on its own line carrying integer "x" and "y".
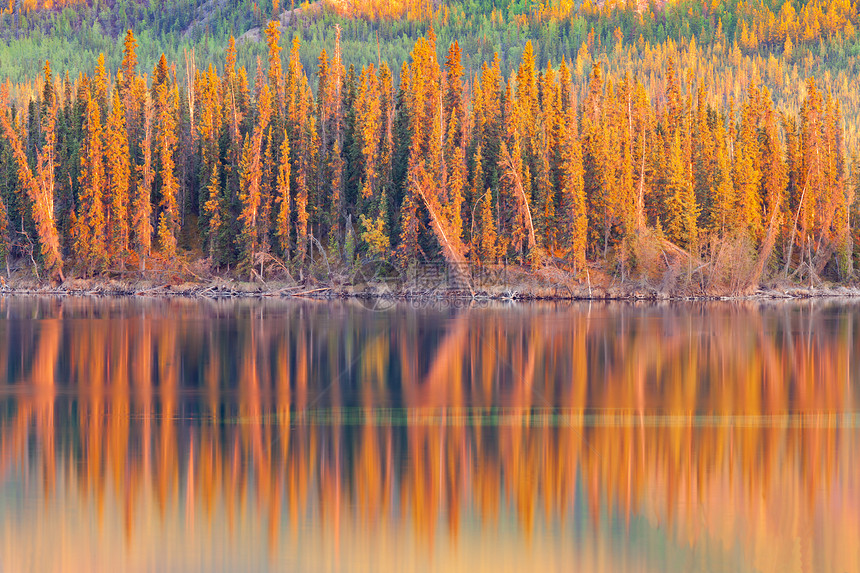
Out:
{"x": 487, "y": 240}
{"x": 386, "y": 113}
{"x": 573, "y": 220}
{"x": 483, "y": 238}
{"x": 774, "y": 174}
{"x": 127, "y": 82}
{"x": 545, "y": 162}
{"x": 251, "y": 170}
{"x": 527, "y": 105}
{"x": 209, "y": 128}
{"x": 129, "y": 65}
{"x": 517, "y": 185}
{"x": 282, "y": 226}
{"x": 88, "y": 226}
{"x": 141, "y": 203}
{"x": 268, "y": 182}
{"x": 166, "y": 140}
{"x": 213, "y": 209}
{"x": 595, "y": 162}
{"x": 454, "y": 147}
{"x": 5, "y": 243}
{"x": 839, "y": 195}
{"x": 118, "y": 171}
{"x": 682, "y": 212}
{"x": 747, "y": 177}
{"x": 99, "y": 85}
{"x": 407, "y": 249}
{"x": 813, "y": 155}
{"x": 275, "y": 76}
{"x": 704, "y": 148}
{"x": 48, "y": 96}
{"x": 305, "y": 158}
{"x": 723, "y": 214}
{"x": 368, "y": 129}
{"x": 454, "y": 114}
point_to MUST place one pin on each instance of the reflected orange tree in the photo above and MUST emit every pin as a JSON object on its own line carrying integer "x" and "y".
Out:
{"x": 733, "y": 422}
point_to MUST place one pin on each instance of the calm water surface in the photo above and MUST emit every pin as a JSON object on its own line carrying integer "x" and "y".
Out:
{"x": 177, "y": 435}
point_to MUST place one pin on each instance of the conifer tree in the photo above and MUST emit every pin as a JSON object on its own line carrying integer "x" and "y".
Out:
{"x": 682, "y": 212}
{"x": 166, "y": 140}
{"x": 367, "y": 132}
{"x": 747, "y": 176}
{"x": 454, "y": 147}
{"x": 88, "y": 224}
{"x": 813, "y": 156}
{"x": 5, "y": 243}
{"x": 774, "y": 175}
{"x": 483, "y": 239}
{"x": 129, "y": 65}
{"x": 275, "y": 75}
{"x": 407, "y": 250}
{"x": 523, "y": 239}
{"x": 487, "y": 240}
{"x": 723, "y": 215}
{"x": 595, "y": 158}
{"x": 118, "y": 172}
{"x": 573, "y": 220}
{"x": 213, "y": 209}
{"x": 141, "y": 203}
{"x": 251, "y": 170}
{"x": 282, "y": 226}
{"x": 838, "y": 216}
{"x": 99, "y": 85}
{"x": 48, "y": 96}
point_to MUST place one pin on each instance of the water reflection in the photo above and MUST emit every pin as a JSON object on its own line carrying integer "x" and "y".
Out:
{"x": 179, "y": 435}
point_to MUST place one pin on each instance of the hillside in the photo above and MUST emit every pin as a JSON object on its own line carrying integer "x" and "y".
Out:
{"x": 727, "y": 45}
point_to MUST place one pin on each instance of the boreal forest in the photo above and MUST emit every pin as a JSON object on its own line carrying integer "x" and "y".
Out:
{"x": 704, "y": 145}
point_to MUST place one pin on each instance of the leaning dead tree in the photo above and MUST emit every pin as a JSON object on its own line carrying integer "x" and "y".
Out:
{"x": 512, "y": 173}
{"x": 452, "y": 247}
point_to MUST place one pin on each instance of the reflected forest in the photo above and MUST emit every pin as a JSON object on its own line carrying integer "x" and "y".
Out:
{"x": 373, "y": 439}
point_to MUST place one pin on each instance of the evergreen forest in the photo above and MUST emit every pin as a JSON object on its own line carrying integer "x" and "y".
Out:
{"x": 714, "y": 142}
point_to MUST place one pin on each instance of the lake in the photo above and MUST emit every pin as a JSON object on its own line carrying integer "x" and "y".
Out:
{"x": 272, "y": 435}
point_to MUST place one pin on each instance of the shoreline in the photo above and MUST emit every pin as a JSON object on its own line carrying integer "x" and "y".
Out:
{"x": 223, "y": 289}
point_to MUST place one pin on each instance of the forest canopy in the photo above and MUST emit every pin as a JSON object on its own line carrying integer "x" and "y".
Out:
{"x": 576, "y": 137}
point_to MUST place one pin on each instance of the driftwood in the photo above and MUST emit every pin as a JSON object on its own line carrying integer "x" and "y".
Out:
{"x": 149, "y": 290}
{"x": 263, "y": 257}
{"x": 283, "y": 291}
{"x": 307, "y": 292}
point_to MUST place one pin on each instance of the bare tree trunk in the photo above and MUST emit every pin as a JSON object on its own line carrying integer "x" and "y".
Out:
{"x": 766, "y": 248}
{"x": 794, "y": 226}
{"x": 452, "y": 248}
{"x": 518, "y": 183}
